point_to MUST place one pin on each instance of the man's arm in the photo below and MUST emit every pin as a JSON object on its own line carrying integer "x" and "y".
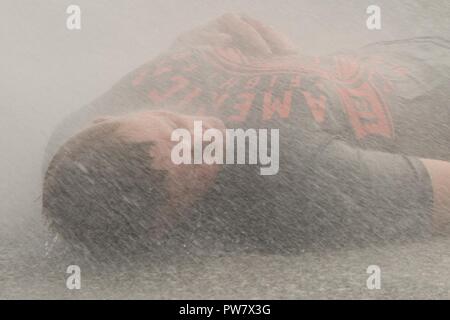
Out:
{"x": 440, "y": 177}
{"x": 365, "y": 196}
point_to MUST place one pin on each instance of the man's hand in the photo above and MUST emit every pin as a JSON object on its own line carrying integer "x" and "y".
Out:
{"x": 250, "y": 36}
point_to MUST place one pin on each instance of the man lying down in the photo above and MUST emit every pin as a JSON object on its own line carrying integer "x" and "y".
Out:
{"x": 363, "y": 148}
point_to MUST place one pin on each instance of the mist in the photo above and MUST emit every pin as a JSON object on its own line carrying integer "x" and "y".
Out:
{"x": 47, "y": 72}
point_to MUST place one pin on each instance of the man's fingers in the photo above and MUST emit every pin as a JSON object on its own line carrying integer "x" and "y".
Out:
{"x": 217, "y": 38}
{"x": 278, "y": 42}
{"x": 205, "y": 36}
{"x": 244, "y": 35}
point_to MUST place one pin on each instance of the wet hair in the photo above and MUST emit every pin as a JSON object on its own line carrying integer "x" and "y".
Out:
{"x": 102, "y": 195}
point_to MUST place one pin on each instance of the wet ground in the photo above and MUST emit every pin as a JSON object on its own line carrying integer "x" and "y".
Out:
{"x": 410, "y": 271}
{"x": 47, "y": 71}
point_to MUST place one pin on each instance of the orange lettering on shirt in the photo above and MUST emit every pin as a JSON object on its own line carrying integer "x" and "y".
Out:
{"x": 229, "y": 83}
{"x": 316, "y": 105}
{"x": 190, "y": 96}
{"x": 244, "y": 106}
{"x": 273, "y": 81}
{"x": 179, "y": 83}
{"x": 219, "y": 99}
{"x": 282, "y": 108}
{"x": 366, "y": 111}
{"x": 295, "y": 82}
{"x": 252, "y": 83}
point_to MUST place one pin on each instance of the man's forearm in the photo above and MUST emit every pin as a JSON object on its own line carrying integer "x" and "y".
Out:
{"x": 440, "y": 177}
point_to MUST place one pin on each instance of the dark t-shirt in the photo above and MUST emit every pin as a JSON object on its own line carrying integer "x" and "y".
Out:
{"x": 346, "y": 123}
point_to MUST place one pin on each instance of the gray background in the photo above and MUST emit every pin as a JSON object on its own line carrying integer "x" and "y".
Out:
{"x": 47, "y": 71}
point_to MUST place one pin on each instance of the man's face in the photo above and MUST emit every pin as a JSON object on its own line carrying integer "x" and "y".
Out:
{"x": 185, "y": 182}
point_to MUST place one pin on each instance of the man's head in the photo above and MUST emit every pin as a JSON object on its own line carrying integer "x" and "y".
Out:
{"x": 113, "y": 188}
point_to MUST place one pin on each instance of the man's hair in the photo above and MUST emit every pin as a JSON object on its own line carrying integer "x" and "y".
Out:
{"x": 102, "y": 194}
